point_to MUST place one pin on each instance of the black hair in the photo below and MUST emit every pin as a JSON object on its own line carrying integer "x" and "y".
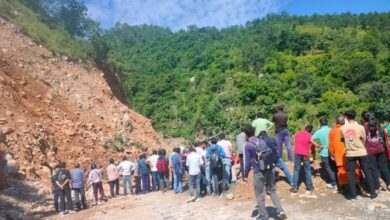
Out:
{"x": 280, "y": 108}
{"x": 213, "y": 141}
{"x": 93, "y": 166}
{"x": 111, "y": 161}
{"x": 176, "y": 150}
{"x": 63, "y": 164}
{"x": 249, "y": 131}
{"x": 77, "y": 165}
{"x": 205, "y": 143}
{"x": 350, "y": 114}
{"x": 162, "y": 152}
{"x": 309, "y": 128}
{"x": 142, "y": 156}
{"x": 124, "y": 158}
{"x": 372, "y": 123}
{"x": 222, "y": 136}
{"x": 263, "y": 133}
{"x": 323, "y": 121}
{"x": 154, "y": 151}
{"x": 259, "y": 114}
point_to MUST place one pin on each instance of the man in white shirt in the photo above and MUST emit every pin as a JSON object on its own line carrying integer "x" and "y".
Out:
{"x": 193, "y": 163}
{"x": 152, "y": 161}
{"x": 125, "y": 168}
{"x": 227, "y": 161}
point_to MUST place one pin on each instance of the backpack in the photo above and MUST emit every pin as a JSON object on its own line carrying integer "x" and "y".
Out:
{"x": 265, "y": 155}
{"x": 271, "y": 143}
{"x": 162, "y": 166}
{"x": 215, "y": 159}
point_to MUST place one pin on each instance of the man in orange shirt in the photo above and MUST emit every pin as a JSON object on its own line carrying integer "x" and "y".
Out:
{"x": 337, "y": 152}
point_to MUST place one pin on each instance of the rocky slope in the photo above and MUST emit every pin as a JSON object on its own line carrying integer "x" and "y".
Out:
{"x": 53, "y": 109}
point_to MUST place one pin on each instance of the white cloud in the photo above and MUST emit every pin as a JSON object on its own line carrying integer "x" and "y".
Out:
{"x": 177, "y": 14}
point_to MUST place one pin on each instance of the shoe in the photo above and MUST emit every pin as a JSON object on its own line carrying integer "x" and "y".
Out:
{"x": 293, "y": 190}
{"x": 62, "y": 213}
{"x": 71, "y": 212}
{"x": 330, "y": 186}
{"x": 282, "y": 215}
{"x": 373, "y": 197}
{"x": 264, "y": 217}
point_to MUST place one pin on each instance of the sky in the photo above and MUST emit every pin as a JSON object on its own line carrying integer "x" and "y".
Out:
{"x": 179, "y": 14}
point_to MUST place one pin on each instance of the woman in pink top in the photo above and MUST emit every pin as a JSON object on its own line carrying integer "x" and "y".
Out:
{"x": 302, "y": 147}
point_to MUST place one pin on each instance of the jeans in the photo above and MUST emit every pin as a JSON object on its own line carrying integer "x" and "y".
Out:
{"x": 212, "y": 176}
{"x": 281, "y": 165}
{"x": 378, "y": 167}
{"x": 306, "y": 166}
{"x": 127, "y": 179}
{"x": 326, "y": 163}
{"x": 241, "y": 165}
{"x": 145, "y": 183}
{"x": 56, "y": 198}
{"x": 264, "y": 182}
{"x": 177, "y": 183}
{"x": 77, "y": 193}
{"x": 155, "y": 180}
{"x": 283, "y": 136}
{"x": 98, "y": 186}
{"x": 227, "y": 166}
{"x": 114, "y": 184}
{"x": 194, "y": 179}
{"x": 235, "y": 171}
{"x": 65, "y": 194}
{"x": 365, "y": 166}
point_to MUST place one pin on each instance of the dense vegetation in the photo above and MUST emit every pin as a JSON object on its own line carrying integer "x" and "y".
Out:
{"x": 202, "y": 81}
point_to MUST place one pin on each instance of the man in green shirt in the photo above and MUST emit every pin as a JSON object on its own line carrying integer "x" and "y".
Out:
{"x": 261, "y": 124}
{"x": 55, "y": 188}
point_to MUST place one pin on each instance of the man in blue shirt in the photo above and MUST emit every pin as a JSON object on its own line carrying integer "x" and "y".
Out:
{"x": 322, "y": 135}
{"x": 77, "y": 177}
{"x": 214, "y": 156}
{"x": 263, "y": 180}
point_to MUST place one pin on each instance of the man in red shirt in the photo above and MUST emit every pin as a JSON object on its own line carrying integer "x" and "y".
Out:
{"x": 302, "y": 147}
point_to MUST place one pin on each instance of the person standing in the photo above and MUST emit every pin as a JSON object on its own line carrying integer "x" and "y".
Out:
{"x": 376, "y": 151}
{"x": 240, "y": 143}
{"x": 261, "y": 124}
{"x": 144, "y": 172}
{"x": 263, "y": 176}
{"x": 126, "y": 167}
{"x": 177, "y": 168}
{"x": 226, "y": 161}
{"x": 235, "y": 168}
{"x": 282, "y": 133}
{"x": 163, "y": 170}
{"x": 322, "y": 135}
{"x": 55, "y": 188}
{"x": 63, "y": 182}
{"x": 354, "y": 136}
{"x": 77, "y": 176}
{"x": 113, "y": 178}
{"x": 386, "y": 138}
{"x": 152, "y": 161}
{"x": 95, "y": 179}
{"x": 193, "y": 163}
{"x": 214, "y": 155}
{"x": 302, "y": 146}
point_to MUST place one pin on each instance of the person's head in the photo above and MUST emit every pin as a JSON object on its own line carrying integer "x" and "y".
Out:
{"x": 76, "y": 165}
{"x": 249, "y": 131}
{"x": 63, "y": 165}
{"x": 365, "y": 117}
{"x": 57, "y": 168}
{"x": 280, "y": 108}
{"x": 350, "y": 114}
{"x": 323, "y": 121}
{"x": 176, "y": 150}
{"x": 142, "y": 156}
{"x": 93, "y": 166}
{"x": 203, "y": 144}
{"x": 222, "y": 136}
{"x": 162, "y": 152}
{"x": 154, "y": 152}
{"x": 259, "y": 115}
{"x": 340, "y": 120}
{"x": 124, "y": 158}
{"x": 263, "y": 133}
{"x": 111, "y": 161}
{"x": 309, "y": 128}
{"x": 214, "y": 141}
{"x": 191, "y": 150}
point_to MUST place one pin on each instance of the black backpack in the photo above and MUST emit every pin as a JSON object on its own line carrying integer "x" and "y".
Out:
{"x": 265, "y": 155}
{"x": 215, "y": 159}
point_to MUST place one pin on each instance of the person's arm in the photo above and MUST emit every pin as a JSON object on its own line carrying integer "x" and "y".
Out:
{"x": 269, "y": 125}
{"x": 312, "y": 141}
{"x": 247, "y": 161}
{"x": 221, "y": 151}
{"x": 363, "y": 134}
{"x": 187, "y": 162}
{"x": 331, "y": 146}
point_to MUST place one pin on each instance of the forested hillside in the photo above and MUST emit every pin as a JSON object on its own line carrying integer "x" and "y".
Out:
{"x": 205, "y": 80}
